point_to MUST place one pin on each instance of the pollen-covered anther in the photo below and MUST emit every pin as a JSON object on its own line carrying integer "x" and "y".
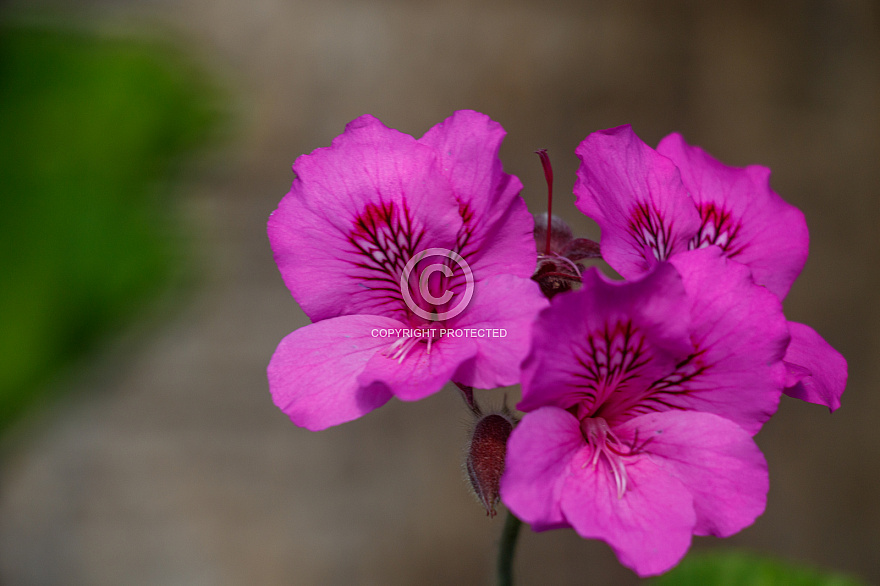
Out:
{"x": 606, "y": 444}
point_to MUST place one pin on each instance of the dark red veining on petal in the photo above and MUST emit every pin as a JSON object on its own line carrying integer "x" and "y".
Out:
{"x": 385, "y": 238}
{"x": 661, "y": 395}
{"x": 609, "y": 364}
{"x": 719, "y": 228}
{"x": 465, "y": 244}
{"x": 608, "y": 361}
{"x": 463, "y": 239}
{"x": 616, "y": 382}
{"x": 650, "y": 230}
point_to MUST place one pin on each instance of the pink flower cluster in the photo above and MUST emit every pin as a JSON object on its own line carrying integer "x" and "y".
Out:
{"x": 641, "y": 397}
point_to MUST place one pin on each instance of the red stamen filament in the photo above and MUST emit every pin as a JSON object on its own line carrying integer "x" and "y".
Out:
{"x": 548, "y": 176}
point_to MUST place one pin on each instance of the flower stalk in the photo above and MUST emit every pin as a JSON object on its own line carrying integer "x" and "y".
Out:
{"x": 507, "y": 549}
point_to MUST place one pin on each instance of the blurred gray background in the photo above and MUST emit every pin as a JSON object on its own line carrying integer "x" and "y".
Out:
{"x": 167, "y": 463}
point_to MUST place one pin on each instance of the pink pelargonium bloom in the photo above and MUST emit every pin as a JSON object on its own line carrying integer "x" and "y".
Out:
{"x": 351, "y": 229}
{"x": 642, "y": 398}
{"x": 654, "y": 205}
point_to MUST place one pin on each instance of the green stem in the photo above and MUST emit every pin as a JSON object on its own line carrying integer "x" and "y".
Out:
{"x": 506, "y": 549}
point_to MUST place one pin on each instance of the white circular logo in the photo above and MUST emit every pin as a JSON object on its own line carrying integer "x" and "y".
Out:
{"x": 423, "y": 284}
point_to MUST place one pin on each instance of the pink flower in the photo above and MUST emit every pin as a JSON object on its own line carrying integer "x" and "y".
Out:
{"x": 642, "y": 398}
{"x": 654, "y": 205}
{"x": 345, "y": 237}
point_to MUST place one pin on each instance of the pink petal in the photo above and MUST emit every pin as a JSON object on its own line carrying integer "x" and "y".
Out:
{"x": 637, "y": 198}
{"x": 500, "y": 316}
{"x": 419, "y": 374}
{"x": 716, "y": 460}
{"x": 649, "y": 527}
{"x": 497, "y": 231}
{"x": 607, "y": 343}
{"x": 539, "y": 453}
{"x": 313, "y": 375}
{"x": 821, "y": 371}
{"x": 743, "y": 215}
{"x": 355, "y": 214}
{"x": 740, "y": 334}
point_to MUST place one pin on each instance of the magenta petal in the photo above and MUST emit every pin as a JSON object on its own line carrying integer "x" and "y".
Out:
{"x": 355, "y": 214}
{"x": 420, "y": 373}
{"x": 821, "y": 370}
{"x": 607, "y": 343}
{"x": 794, "y": 373}
{"x": 740, "y": 334}
{"x": 497, "y": 231}
{"x": 313, "y": 375}
{"x": 500, "y": 316}
{"x": 649, "y": 527}
{"x": 637, "y": 198}
{"x": 539, "y": 454}
{"x": 743, "y": 215}
{"x": 716, "y": 460}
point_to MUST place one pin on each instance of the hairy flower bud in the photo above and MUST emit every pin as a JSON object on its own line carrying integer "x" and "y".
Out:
{"x": 560, "y": 234}
{"x": 485, "y": 457}
{"x": 558, "y": 269}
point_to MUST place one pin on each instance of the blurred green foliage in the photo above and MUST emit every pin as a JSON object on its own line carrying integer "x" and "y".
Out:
{"x": 725, "y": 568}
{"x": 91, "y": 131}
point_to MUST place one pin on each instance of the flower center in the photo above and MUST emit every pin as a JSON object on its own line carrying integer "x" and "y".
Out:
{"x": 607, "y": 445}
{"x": 404, "y": 345}
{"x": 612, "y": 361}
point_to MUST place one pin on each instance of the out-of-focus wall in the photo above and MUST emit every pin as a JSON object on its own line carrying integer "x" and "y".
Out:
{"x": 180, "y": 470}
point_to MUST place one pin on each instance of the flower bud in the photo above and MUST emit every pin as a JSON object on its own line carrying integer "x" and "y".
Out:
{"x": 560, "y": 234}
{"x": 485, "y": 458}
